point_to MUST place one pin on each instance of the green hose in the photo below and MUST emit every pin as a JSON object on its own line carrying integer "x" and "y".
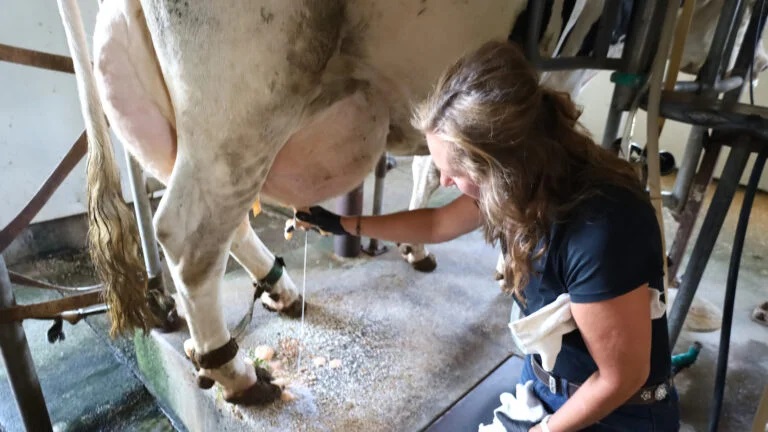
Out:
{"x": 686, "y": 359}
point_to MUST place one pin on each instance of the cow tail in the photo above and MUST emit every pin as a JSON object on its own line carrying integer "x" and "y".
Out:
{"x": 113, "y": 241}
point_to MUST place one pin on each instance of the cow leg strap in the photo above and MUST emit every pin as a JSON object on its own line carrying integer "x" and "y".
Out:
{"x": 266, "y": 283}
{"x": 218, "y": 357}
{"x": 263, "y": 285}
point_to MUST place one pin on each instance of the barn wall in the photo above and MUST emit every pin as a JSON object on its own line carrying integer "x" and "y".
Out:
{"x": 39, "y": 112}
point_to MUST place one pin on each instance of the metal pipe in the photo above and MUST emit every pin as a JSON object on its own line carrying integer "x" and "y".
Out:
{"x": 691, "y": 206}
{"x": 350, "y": 204}
{"x": 598, "y": 60}
{"x": 680, "y": 191}
{"x": 143, "y": 212}
{"x": 711, "y": 71}
{"x": 637, "y": 55}
{"x": 746, "y": 54}
{"x": 634, "y": 60}
{"x": 730, "y": 289}
{"x": 378, "y": 195}
{"x": 22, "y": 376}
{"x": 608, "y": 21}
{"x": 705, "y": 243}
{"x": 612, "y": 123}
{"x": 568, "y": 63}
{"x": 535, "y": 19}
{"x": 722, "y": 86}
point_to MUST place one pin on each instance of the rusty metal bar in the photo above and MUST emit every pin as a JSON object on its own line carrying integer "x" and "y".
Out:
{"x": 36, "y": 59}
{"x": 20, "y": 279}
{"x": 22, "y": 376}
{"x": 378, "y": 197}
{"x": 692, "y": 206}
{"x": 710, "y": 228}
{"x": 71, "y": 159}
{"x": 50, "y": 309}
{"x": 350, "y": 204}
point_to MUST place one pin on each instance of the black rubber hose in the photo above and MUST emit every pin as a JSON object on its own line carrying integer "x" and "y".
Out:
{"x": 730, "y": 287}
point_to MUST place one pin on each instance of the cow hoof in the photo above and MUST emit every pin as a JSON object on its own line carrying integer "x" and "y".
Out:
{"x": 204, "y": 382}
{"x": 293, "y": 310}
{"x": 163, "y": 307}
{"x": 171, "y": 323}
{"x": 426, "y": 265}
{"x": 260, "y": 393}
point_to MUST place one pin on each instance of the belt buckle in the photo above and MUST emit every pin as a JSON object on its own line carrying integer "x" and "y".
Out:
{"x": 552, "y": 384}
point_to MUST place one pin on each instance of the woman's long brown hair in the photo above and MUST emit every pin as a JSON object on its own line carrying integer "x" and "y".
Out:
{"x": 523, "y": 145}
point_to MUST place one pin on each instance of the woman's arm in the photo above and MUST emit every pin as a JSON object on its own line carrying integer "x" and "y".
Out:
{"x": 433, "y": 225}
{"x": 617, "y": 333}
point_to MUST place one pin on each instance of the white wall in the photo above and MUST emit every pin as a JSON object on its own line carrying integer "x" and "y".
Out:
{"x": 39, "y": 112}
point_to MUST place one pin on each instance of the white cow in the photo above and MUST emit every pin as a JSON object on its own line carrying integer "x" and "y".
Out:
{"x": 222, "y": 101}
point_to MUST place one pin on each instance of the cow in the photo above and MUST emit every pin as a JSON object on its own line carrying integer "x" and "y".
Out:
{"x": 291, "y": 100}
{"x": 226, "y": 102}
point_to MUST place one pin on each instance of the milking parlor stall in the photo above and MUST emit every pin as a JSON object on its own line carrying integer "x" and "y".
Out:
{"x": 342, "y": 332}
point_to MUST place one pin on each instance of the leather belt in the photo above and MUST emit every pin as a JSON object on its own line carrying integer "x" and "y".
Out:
{"x": 646, "y": 395}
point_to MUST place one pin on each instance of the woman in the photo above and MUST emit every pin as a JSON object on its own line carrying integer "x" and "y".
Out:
{"x": 572, "y": 219}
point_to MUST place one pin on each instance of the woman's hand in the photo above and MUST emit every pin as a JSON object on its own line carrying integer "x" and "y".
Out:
{"x": 427, "y": 225}
{"x": 323, "y": 220}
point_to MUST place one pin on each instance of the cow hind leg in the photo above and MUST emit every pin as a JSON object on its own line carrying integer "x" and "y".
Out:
{"x": 208, "y": 208}
{"x": 426, "y": 179}
{"x": 233, "y": 116}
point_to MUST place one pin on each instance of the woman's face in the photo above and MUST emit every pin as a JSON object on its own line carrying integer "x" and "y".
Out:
{"x": 450, "y": 175}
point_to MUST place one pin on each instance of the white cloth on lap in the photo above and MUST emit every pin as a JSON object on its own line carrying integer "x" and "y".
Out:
{"x": 542, "y": 331}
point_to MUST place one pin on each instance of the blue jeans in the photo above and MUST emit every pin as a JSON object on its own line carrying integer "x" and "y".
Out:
{"x": 660, "y": 416}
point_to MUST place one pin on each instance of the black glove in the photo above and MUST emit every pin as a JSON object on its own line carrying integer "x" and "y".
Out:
{"x": 323, "y": 219}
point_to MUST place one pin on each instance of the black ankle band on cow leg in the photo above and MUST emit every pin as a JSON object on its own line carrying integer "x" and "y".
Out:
{"x": 218, "y": 357}
{"x": 357, "y": 226}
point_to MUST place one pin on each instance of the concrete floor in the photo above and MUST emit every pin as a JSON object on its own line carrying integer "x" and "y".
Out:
{"x": 100, "y": 392}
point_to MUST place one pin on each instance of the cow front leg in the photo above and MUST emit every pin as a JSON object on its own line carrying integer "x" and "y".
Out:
{"x": 426, "y": 179}
{"x": 280, "y": 295}
{"x": 195, "y": 223}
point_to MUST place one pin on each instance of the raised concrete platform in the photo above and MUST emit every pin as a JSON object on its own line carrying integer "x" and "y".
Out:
{"x": 409, "y": 344}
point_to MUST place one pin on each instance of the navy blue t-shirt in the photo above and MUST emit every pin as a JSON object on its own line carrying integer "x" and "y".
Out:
{"x": 609, "y": 245}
